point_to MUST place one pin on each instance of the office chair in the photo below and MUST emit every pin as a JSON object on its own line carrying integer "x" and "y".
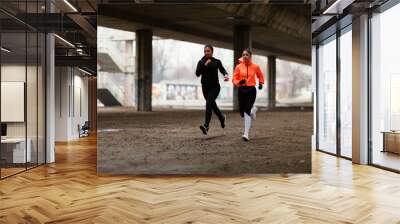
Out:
{"x": 84, "y": 130}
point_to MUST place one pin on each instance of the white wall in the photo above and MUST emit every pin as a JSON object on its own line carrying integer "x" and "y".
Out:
{"x": 12, "y": 100}
{"x": 14, "y": 73}
{"x": 33, "y": 125}
{"x": 80, "y": 103}
{"x": 71, "y": 94}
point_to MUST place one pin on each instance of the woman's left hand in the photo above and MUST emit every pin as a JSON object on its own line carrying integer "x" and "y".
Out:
{"x": 260, "y": 86}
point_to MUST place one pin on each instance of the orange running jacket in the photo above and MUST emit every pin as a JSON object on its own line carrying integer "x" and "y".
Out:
{"x": 248, "y": 72}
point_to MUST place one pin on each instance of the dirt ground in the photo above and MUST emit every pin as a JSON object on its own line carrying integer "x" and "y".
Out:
{"x": 170, "y": 142}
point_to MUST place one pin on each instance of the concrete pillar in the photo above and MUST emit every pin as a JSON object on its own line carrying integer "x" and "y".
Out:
{"x": 92, "y": 85}
{"x": 360, "y": 90}
{"x": 50, "y": 98}
{"x": 314, "y": 95}
{"x": 144, "y": 60}
{"x": 62, "y": 120}
{"x": 241, "y": 40}
{"x": 271, "y": 81}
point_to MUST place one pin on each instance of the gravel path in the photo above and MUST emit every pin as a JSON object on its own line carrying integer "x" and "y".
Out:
{"x": 170, "y": 142}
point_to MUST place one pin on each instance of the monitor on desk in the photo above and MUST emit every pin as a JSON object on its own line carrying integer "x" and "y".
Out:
{"x": 3, "y": 130}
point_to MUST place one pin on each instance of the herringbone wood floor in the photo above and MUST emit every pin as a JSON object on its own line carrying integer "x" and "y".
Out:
{"x": 69, "y": 191}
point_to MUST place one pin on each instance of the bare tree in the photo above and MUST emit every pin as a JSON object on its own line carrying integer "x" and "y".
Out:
{"x": 296, "y": 78}
{"x": 160, "y": 59}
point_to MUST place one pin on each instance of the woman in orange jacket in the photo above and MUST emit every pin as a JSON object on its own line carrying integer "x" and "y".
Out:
{"x": 244, "y": 78}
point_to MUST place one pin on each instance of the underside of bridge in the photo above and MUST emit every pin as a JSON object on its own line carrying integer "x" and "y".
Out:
{"x": 280, "y": 30}
{"x": 272, "y": 30}
{"x": 277, "y": 29}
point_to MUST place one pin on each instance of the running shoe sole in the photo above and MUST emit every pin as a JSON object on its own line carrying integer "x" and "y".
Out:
{"x": 223, "y": 122}
{"x": 203, "y": 129}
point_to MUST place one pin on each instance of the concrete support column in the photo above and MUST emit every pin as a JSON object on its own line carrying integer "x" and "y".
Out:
{"x": 271, "y": 81}
{"x": 241, "y": 40}
{"x": 64, "y": 103}
{"x": 314, "y": 95}
{"x": 144, "y": 59}
{"x": 92, "y": 85}
{"x": 50, "y": 98}
{"x": 360, "y": 90}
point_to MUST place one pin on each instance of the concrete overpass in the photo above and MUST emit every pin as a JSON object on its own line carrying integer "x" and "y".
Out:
{"x": 273, "y": 30}
{"x": 281, "y": 28}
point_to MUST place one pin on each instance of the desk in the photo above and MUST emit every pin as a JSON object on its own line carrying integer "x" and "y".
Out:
{"x": 391, "y": 141}
{"x": 16, "y": 148}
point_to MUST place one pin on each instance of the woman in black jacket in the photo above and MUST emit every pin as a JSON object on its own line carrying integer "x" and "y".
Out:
{"x": 208, "y": 68}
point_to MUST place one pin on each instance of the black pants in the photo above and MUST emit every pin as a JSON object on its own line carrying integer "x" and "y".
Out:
{"x": 247, "y": 97}
{"x": 211, "y": 94}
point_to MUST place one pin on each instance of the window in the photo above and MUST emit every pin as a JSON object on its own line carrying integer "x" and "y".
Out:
{"x": 385, "y": 88}
{"x": 327, "y": 95}
{"x": 346, "y": 93}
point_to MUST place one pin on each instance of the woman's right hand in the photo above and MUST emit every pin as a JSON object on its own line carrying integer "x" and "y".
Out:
{"x": 208, "y": 62}
{"x": 226, "y": 78}
{"x": 241, "y": 82}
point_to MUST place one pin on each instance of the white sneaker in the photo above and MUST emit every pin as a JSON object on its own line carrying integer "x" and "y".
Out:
{"x": 245, "y": 138}
{"x": 253, "y": 112}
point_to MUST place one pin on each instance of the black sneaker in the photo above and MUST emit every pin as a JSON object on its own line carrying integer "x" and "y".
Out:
{"x": 223, "y": 121}
{"x": 204, "y": 129}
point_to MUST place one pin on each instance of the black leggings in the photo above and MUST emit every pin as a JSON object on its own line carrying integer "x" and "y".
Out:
{"x": 211, "y": 94}
{"x": 247, "y": 97}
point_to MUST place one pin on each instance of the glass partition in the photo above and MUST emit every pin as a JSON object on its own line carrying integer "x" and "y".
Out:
{"x": 22, "y": 77}
{"x": 31, "y": 97}
{"x": 13, "y": 94}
